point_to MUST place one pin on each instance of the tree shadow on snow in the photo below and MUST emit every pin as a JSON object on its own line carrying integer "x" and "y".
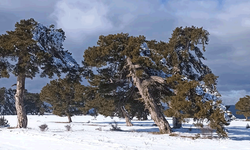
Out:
{"x": 238, "y": 133}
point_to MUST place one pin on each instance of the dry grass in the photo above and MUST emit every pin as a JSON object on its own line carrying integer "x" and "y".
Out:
{"x": 12, "y": 128}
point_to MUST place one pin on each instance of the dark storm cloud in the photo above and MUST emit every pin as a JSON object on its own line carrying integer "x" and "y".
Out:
{"x": 228, "y": 23}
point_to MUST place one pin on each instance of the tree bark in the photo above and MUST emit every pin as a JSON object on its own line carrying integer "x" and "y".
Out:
{"x": 22, "y": 119}
{"x": 69, "y": 118}
{"x": 149, "y": 101}
{"x": 126, "y": 115}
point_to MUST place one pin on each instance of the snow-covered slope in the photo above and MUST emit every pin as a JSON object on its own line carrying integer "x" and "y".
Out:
{"x": 90, "y": 134}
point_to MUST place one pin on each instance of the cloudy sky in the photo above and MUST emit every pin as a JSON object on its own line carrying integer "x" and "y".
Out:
{"x": 227, "y": 21}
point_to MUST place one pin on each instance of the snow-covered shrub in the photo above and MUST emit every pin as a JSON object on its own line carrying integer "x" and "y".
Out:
{"x": 43, "y": 127}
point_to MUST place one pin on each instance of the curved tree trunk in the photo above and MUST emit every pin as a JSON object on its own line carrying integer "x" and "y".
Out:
{"x": 126, "y": 115}
{"x": 22, "y": 119}
{"x": 150, "y": 103}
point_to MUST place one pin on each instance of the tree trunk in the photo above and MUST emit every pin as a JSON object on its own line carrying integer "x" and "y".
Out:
{"x": 22, "y": 119}
{"x": 176, "y": 123}
{"x": 144, "y": 116}
{"x": 69, "y": 118}
{"x": 126, "y": 115}
{"x": 150, "y": 103}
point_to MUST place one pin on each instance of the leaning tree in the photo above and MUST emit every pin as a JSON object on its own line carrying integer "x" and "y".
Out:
{"x": 29, "y": 49}
{"x": 151, "y": 67}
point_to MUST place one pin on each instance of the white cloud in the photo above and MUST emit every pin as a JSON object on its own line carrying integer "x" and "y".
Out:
{"x": 233, "y": 96}
{"x": 81, "y": 18}
{"x": 24, "y": 5}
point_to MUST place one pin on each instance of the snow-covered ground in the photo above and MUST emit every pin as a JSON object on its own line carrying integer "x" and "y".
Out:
{"x": 90, "y": 134}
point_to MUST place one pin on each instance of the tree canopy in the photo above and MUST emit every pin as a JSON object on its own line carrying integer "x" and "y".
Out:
{"x": 157, "y": 71}
{"x": 65, "y": 96}
{"x": 243, "y": 105}
{"x": 29, "y": 49}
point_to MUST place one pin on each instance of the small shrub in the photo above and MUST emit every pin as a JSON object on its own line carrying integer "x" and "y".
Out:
{"x": 100, "y": 129}
{"x": 43, "y": 127}
{"x": 3, "y": 122}
{"x": 247, "y": 126}
{"x": 68, "y": 127}
{"x": 115, "y": 127}
{"x": 197, "y": 136}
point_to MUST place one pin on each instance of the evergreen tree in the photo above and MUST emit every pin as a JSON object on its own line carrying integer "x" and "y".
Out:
{"x": 33, "y": 104}
{"x": 243, "y": 105}
{"x": 65, "y": 96}
{"x": 33, "y": 47}
{"x": 155, "y": 70}
{"x": 7, "y": 101}
{"x": 193, "y": 83}
{"x": 119, "y": 57}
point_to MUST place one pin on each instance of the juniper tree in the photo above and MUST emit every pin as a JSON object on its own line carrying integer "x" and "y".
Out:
{"x": 243, "y": 106}
{"x": 65, "y": 96}
{"x": 193, "y": 83}
{"x": 30, "y": 48}
{"x": 122, "y": 53}
{"x": 150, "y": 66}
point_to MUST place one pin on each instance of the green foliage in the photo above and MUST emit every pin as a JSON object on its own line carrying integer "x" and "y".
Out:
{"x": 187, "y": 103}
{"x": 27, "y": 55}
{"x": 243, "y": 105}
{"x": 33, "y": 104}
{"x": 217, "y": 122}
{"x": 19, "y": 45}
{"x": 65, "y": 96}
{"x": 182, "y": 72}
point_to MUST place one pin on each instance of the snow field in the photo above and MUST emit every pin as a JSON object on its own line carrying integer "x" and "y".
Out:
{"x": 94, "y": 134}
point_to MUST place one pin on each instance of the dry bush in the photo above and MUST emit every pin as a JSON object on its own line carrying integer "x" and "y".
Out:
{"x": 174, "y": 134}
{"x": 43, "y": 127}
{"x": 100, "y": 129}
{"x": 68, "y": 127}
{"x": 115, "y": 127}
{"x": 3, "y": 122}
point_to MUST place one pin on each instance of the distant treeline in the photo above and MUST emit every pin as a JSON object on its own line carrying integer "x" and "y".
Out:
{"x": 32, "y": 103}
